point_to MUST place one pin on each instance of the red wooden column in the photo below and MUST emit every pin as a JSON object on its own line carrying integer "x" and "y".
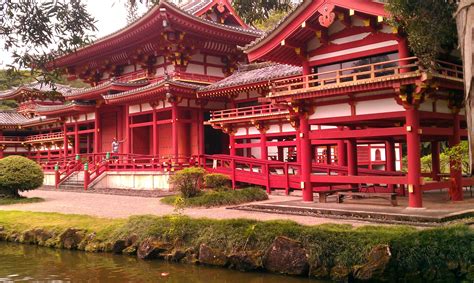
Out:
{"x": 97, "y": 132}
{"x": 328, "y": 155}
{"x": 126, "y": 144}
{"x": 341, "y": 153}
{"x": 200, "y": 121}
{"x": 263, "y": 145}
{"x": 76, "y": 138}
{"x": 174, "y": 130}
{"x": 231, "y": 144}
{"x": 154, "y": 133}
{"x": 403, "y": 52}
{"x": 65, "y": 141}
{"x": 435, "y": 162}
{"x": 455, "y": 165}
{"x": 352, "y": 169}
{"x": 413, "y": 154}
{"x": 390, "y": 159}
{"x": 305, "y": 155}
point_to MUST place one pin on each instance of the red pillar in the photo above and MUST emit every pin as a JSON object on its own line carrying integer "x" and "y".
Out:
{"x": 413, "y": 154}
{"x": 390, "y": 159}
{"x": 341, "y": 153}
{"x": 403, "y": 52}
{"x": 328, "y": 155}
{"x": 263, "y": 146}
{"x": 305, "y": 161}
{"x": 155, "y": 134}
{"x": 201, "y": 149}
{"x": 174, "y": 130}
{"x": 97, "y": 132}
{"x": 126, "y": 144}
{"x": 76, "y": 138}
{"x": 455, "y": 165}
{"x": 231, "y": 144}
{"x": 352, "y": 157}
{"x": 65, "y": 141}
{"x": 435, "y": 162}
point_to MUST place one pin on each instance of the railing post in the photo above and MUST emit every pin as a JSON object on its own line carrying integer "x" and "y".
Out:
{"x": 87, "y": 176}
{"x": 287, "y": 177}
{"x": 269, "y": 191}
{"x": 233, "y": 173}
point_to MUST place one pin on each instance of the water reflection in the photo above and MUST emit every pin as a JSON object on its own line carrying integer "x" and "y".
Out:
{"x": 38, "y": 264}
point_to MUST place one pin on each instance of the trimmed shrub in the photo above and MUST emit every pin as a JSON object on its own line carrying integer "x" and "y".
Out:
{"x": 216, "y": 180}
{"x": 19, "y": 174}
{"x": 221, "y": 197}
{"x": 188, "y": 181}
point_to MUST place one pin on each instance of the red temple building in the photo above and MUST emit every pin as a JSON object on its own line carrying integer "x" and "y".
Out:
{"x": 327, "y": 101}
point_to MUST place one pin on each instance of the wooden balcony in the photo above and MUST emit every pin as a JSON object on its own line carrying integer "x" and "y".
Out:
{"x": 394, "y": 70}
{"x": 259, "y": 112}
{"x": 45, "y": 137}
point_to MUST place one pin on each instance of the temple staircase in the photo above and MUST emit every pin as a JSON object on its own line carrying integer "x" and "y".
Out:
{"x": 74, "y": 182}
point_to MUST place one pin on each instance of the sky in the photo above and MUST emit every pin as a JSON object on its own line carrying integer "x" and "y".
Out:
{"x": 111, "y": 15}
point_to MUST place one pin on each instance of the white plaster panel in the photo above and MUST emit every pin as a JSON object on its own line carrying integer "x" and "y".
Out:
{"x": 253, "y": 131}
{"x": 241, "y": 132}
{"x": 49, "y": 179}
{"x": 313, "y": 44}
{"x": 374, "y": 150}
{"x": 81, "y": 118}
{"x": 134, "y": 108}
{"x": 287, "y": 128}
{"x": 167, "y": 104}
{"x": 354, "y": 50}
{"x": 160, "y": 60}
{"x": 214, "y": 71}
{"x": 351, "y": 38}
{"x": 337, "y": 26}
{"x": 328, "y": 111}
{"x": 198, "y": 57}
{"x": 314, "y": 127}
{"x": 427, "y": 105}
{"x": 378, "y": 106}
{"x": 91, "y": 116}
{"x": 442, "y": 106}
{"x": 195, "y": 69}
{"x": 273, "y": 129}
{"x": 214, "y": 60}
{"x": 146, "y": 107}
{"x": 324, "y": 127}
{"x": 160, "y": 71}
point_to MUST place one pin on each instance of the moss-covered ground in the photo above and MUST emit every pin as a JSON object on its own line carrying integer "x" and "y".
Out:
{"x": 8, "y": 201}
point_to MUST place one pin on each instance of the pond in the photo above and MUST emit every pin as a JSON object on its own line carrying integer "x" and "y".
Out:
{"x": 20, "y": 263}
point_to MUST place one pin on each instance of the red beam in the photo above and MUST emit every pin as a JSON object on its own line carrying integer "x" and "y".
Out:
{"x": 364, "y": 133}
{"x": 359, "y": 179}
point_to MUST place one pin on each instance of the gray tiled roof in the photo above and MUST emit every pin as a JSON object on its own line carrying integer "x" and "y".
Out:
{"x": 80, "y": 91}
{"x": 38, "y": 86}
{"x": 254, "y": 73}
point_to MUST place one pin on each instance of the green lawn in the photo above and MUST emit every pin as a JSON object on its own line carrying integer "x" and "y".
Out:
{"x": 8, "y": 201}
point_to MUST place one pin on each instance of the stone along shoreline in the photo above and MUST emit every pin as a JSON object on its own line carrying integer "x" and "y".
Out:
{"x": 336, "y": 252}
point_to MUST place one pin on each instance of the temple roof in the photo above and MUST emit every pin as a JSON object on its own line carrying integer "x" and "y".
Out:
{"x": 159, "y": 87}
{"x": 35, "y": 87}
{"x": 11, "y": 118}
{"x": 252, "y": 74}
{"x": 68, "y": 108}
{"x": 159, "y": 18}
{"x": 303, "y": 16}
{"x": 194, "y": 7}
{"x": 110, "y": 85}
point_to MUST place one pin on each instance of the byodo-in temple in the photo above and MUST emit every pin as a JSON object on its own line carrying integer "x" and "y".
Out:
{"x": 328, "y": 100}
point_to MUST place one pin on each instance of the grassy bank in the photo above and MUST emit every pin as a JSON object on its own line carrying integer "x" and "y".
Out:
{"x": 333, "y": 251}
{"x": 8, "y": 201}
{"x": 220, "y": 198}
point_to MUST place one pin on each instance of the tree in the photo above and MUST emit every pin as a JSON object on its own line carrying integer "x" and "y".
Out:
{"x": 428, "y": 24}
{"x": 19, "y": 174}
{"x": 37, "y": 31}
{"x": 465, "y": 25}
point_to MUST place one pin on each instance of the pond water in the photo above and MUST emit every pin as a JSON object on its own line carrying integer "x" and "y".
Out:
{"x": 25, "y": 263}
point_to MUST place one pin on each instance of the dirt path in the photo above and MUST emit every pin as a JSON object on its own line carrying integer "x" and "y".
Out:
{"x": 115, "y": 206}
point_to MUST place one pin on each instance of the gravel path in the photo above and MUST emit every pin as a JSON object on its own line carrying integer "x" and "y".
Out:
{"x": 116, "y": 206}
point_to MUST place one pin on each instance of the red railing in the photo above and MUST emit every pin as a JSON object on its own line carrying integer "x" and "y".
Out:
{"x": 42, "y": 137}
{"x": 11, "y": 139}
{"x": 195, "y": 77}
{"x": 382, "y": 71}
{"x": 68, "y": 169}
{"x": 250, "y": 111}
{"x": 134, "y": 76}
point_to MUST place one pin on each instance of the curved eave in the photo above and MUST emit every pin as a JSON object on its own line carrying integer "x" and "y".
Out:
{"x": 229, "y": 90}
{"x": 262, "y": 47}
{"x": 96, "y": 93}
{"x": 40, "y": 122}
{"x": 151, "y": 24}
{"x": 156, "y": 92}
{"x": 67, "y": 110}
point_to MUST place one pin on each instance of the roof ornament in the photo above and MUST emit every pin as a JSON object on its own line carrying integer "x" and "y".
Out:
{"x": 327, "y": 15}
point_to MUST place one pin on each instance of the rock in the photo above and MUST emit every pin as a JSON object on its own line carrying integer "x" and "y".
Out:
{"x": 245, "y": 261}
{"x": 377, "y": 262}
{"x": 118, "y": 246}
{"x": 28, "y": 237}
{"x": 318, "y": 270}
{"x": 36, "y": 236}
{"x": 190, "y": 256}
{"x": 2, "y": 228}
{"x": 176, "y": 255}
{"x": 132, "y": 250}
{"x": 14, "y": 237}
{"x": 131, "y": 240}
{"x": 286, "y": 256}
{"x": 152, "y": 248}
{"x": 3, "y": 236}
{"x": 211, "y": 256}
{"x": 340, "y": 273}
{"x": 71, "y": 238}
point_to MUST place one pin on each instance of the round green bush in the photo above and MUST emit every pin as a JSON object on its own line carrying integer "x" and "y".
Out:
{"x": 216, "y": 180}
{"x": 19, "y": 174}
{"x": 188, "y": 181}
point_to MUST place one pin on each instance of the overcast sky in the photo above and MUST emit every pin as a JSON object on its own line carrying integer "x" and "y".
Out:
{"x": 111, "y": 15}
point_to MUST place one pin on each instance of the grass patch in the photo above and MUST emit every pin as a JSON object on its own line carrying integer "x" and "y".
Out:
{"x": 220, "y": 198}
{"x": 8, "y": 201}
